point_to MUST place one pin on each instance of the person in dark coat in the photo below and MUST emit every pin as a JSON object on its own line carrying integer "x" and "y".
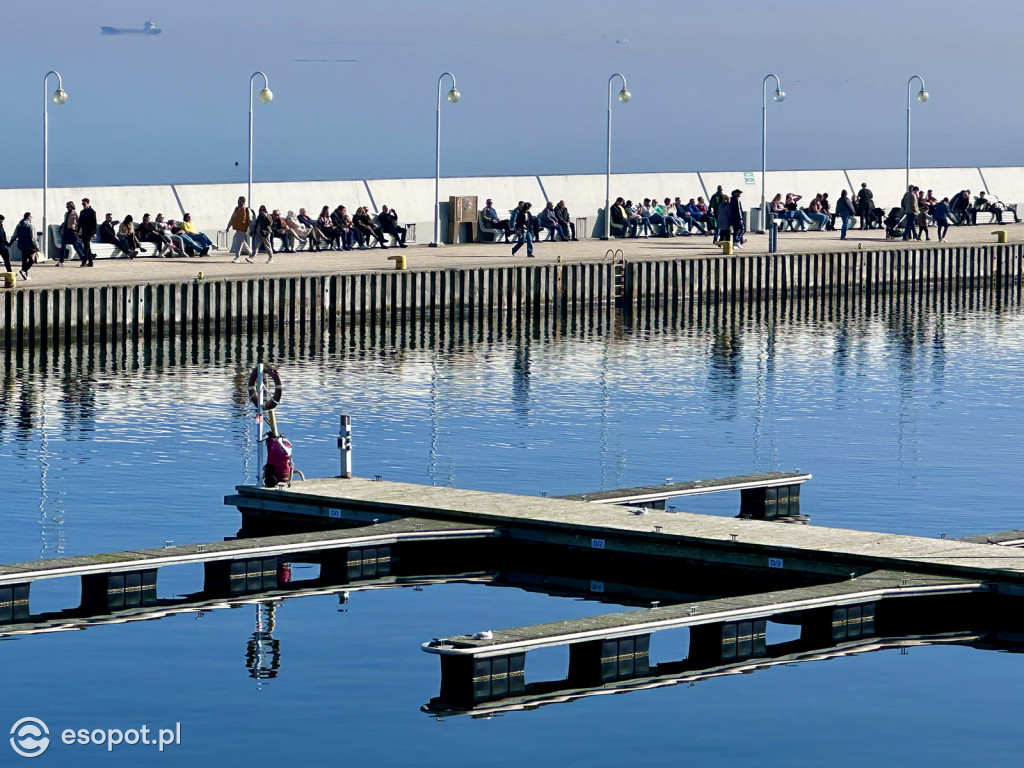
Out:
{"x": 87, "y": 231}
{"x": 388, "y": 219}
{"x": 736, "y": 219}
{"x": 865, "y": 205}
{"x": 5, "y": 247}
{"x": 26, "y": 239}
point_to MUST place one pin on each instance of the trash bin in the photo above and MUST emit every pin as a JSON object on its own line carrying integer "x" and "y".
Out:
{"x": 756, "y": 224}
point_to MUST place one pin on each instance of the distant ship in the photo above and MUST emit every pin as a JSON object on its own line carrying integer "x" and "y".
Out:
{"x": 149, "y": 28}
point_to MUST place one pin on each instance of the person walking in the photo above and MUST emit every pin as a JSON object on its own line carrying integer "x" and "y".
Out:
{"x": 5, "y": 247}
{"x": 26, "y": 239}
{"x": 69, "y": 236}
{"x": 845, "y": 211}
{"x": 522, "y": 222}
{"x": 261, "y": 237}
{"x": 941, "y": 214}
{"x": 239, "y": 223}
{"x": 736, "y": 220}
{"x": 87, "y": 231}
{"x": 909, "y": 209}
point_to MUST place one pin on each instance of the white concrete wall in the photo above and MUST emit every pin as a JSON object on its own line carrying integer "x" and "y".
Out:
{"x": 211, "y": 204}
{"x": 584, "y": 194}
{"x": 1007, "y": 184}
{"x": 889, "y": 184}
{"x": 414, "y": 198}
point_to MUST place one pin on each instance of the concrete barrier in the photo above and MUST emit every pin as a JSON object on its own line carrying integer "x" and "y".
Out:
{"x": 889, "y": 184}
{"x": 211, "y": 204}
{"x": 1006, "y": 184}
{"x": 414, "y": 198}
{"x": 584, "y": 194}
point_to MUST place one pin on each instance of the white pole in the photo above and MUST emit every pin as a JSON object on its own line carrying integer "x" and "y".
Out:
{"x": 345, "y": 446}
{"x": 437, "y": 165}
{"x": 608, "y": 169}
{"x": 266, "y": 85}
{"x": 259, "y": 424}
{"x": 46, "y": 153}
{"x": 906, "y": 185}
{"x": 764, "y": 143}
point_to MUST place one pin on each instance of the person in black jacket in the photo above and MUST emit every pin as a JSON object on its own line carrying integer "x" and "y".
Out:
{"x": 108, "y": 234}
{"x": 865, "y": 205}
{"x": 389, "y": 225}
{"x": 5, "y": 247}
{"x": 736, "y": 219}
{"x": 87, "y": 230}
{"x": 26, "y": 240}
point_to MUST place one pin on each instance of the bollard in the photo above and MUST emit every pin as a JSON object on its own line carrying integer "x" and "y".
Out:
{"x": 9, "y": 280}
{"x": 399, "y": 259}
{"x": 726, "y": 247}
{"x": 1000, "y": 235}
{"x": 345, "y": 446}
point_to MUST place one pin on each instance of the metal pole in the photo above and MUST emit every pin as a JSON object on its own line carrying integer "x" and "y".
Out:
{"x": 266, "y": 84}
{"x": 46, "y": 153}
{"x": 259, "y": 424}
{"x": 608, "y": 171}
{"x": 345, "y": 446}
{"x": 906, "y": 186}
{"x": 437, "y": 158}
{"x": 764, "y": 143}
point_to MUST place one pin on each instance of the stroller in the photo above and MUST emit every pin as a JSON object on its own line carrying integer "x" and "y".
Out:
{"x": 893, "y": 230}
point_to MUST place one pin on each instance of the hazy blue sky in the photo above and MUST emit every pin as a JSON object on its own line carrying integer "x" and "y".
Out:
{"x": 174, "y": 109}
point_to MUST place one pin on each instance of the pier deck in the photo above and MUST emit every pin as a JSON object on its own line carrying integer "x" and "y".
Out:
{"x": 865, "y": 589}
{"x": 751, "y": 543}
{"x": 385, "y": 534}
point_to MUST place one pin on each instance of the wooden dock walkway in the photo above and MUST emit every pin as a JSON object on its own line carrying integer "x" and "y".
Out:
{"x": 834, "y": 552}
{"x": 867, "y": 589}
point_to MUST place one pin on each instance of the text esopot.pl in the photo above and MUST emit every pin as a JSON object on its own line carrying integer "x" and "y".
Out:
{"x": 30, "y": 737}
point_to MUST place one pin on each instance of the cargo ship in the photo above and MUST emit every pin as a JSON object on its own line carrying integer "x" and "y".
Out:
{"x": 149, "y": 28}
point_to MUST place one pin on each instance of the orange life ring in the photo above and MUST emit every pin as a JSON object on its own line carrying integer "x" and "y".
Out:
{"x": 273, "y": 396}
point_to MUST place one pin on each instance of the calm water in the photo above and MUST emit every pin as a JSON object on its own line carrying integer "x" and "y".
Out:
{"x": 910, "y": 420}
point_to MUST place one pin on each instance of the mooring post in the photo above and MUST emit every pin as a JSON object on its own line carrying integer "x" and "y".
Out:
{"x": 345, "y": 446}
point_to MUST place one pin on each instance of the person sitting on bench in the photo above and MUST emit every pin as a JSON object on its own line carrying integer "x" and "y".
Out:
{"x": 108, "y": 234}
{"x": 491, "y": 216}
{"x": 388, "y": 219}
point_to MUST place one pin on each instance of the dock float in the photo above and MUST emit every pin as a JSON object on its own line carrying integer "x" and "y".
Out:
{"x": 582, "y": 525}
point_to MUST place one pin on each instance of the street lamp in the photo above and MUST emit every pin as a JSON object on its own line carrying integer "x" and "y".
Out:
{"x": 779, "y": 96}
{"x": 922, "y": 96}
{"x": 60, "y": 96}
{"x": 453, "y": 97}
{"x": 265, "y": 97}
{"x": 624, "y": 96}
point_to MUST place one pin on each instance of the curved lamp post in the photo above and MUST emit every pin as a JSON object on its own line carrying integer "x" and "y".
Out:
{"x": 779, "y": 96}
{"x": 60, "y": 96}
{"x": 624, "y": 96}
{"x": 922, "y": 96}
{"x": 453, "y": 97}
{"x": 265, "y": 96}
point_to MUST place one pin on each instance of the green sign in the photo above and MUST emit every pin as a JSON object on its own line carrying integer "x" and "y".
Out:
{"x": 748, "y": 177}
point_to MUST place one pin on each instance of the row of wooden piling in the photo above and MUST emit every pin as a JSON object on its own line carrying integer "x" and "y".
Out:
{"x": 499, "y": 299}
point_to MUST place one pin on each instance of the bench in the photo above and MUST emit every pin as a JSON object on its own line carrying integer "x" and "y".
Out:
{"x": 989, "y": 217}
{"x": 497, "y": 235}
{"x": 99, "y": 250}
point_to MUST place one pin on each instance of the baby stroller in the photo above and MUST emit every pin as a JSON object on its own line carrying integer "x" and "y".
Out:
{"x": 893, "y": 230}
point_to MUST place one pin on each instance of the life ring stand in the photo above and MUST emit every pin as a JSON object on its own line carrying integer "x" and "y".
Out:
{"x": 273, "y": 398}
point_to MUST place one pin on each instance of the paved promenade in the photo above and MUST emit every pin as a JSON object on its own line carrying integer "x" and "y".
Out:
{"x": 218, "y": 265}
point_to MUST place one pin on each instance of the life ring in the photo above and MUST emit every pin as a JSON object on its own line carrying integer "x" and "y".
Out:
{"x": 273, "y": 397}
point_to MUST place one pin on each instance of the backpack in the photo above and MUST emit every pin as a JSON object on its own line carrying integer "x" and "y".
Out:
{"x": 278, "y": 469}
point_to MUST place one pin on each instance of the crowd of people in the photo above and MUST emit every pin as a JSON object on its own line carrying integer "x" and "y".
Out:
{"x": 722, "y": 217}
{"x": 253, "y": 232}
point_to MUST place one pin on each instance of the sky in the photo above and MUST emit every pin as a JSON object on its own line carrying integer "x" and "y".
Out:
{"x": 533, "y": 78}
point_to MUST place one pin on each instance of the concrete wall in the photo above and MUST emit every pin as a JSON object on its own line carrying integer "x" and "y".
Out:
{"x": 211, "y": 204}
{"x": 1007, "y": 184}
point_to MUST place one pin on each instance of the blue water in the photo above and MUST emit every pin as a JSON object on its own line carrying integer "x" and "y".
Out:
{"x": 909, "y": 420}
